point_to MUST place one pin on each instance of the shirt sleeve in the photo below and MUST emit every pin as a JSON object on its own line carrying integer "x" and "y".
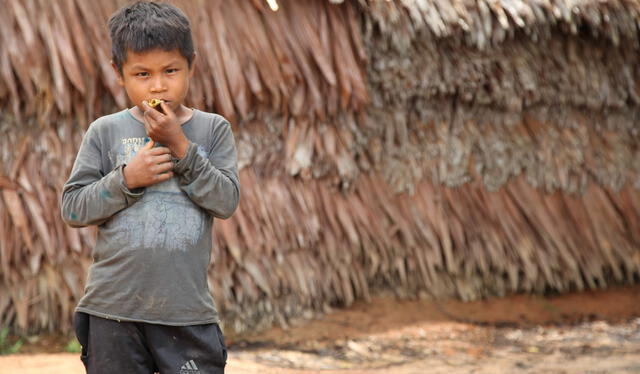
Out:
{"x": 91, "y": 197}
{"x": 212, "y": 183}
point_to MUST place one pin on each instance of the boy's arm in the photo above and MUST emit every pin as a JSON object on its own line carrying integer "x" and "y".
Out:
{"x": 212, "y": 183}
{"x": 90, "y": 197}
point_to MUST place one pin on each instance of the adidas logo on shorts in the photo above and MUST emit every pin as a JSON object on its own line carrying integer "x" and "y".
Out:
{"x": 189, "y": 367}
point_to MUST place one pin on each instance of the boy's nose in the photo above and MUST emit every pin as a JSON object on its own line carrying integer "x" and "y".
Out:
{"x": 158, "y": 85}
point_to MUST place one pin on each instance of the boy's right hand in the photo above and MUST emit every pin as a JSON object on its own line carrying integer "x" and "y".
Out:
{"x": 149, "y": 166}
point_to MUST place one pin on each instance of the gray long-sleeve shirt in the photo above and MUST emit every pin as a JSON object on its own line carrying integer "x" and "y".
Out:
{"x": 154, "y": 244}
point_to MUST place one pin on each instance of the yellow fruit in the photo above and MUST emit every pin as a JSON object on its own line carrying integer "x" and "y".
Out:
{"x": 154, "y": 102}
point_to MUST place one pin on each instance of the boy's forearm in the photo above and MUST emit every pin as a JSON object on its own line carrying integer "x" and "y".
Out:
{"x": 214, "y": 189}
{"x": 95, "y": 203}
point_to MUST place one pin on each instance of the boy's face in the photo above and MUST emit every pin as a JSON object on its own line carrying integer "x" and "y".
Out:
{"x": 156, "y": 74}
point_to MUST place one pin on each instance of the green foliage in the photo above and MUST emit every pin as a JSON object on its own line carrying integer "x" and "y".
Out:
{"x": 74, "y": 346}
{"x": 7, "y": 348}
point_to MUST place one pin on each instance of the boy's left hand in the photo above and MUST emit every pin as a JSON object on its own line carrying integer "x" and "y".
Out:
{"x": 165, "y": 129}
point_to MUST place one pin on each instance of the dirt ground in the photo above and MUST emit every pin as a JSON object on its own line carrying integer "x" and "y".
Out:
{"x": 586, "y": 333}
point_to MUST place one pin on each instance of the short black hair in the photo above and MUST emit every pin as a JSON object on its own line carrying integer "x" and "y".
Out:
{"x": 144, "y": 26}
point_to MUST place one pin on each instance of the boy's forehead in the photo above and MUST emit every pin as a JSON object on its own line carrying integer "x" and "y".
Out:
{"x": 153, "y": 57}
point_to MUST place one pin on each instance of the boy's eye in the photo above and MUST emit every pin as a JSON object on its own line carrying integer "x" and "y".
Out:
{"x": 171, "y": 71}
{"x": 142, "y": 74}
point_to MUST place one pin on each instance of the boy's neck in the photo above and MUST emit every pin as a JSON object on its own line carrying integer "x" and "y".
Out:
{"x": 183, "y": 114}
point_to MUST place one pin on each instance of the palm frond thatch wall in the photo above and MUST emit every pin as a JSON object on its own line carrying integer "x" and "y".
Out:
{"x": 455, "y": 148}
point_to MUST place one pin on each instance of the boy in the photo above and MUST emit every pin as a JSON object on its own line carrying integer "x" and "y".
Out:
{"x": 152, "y": 180}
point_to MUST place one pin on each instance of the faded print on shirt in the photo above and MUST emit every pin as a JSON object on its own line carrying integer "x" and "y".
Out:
{"x": 164, "y": 217}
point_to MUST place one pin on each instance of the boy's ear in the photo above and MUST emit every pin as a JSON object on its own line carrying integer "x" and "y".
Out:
{"x": 118, "y": 74}
{"x": 193, "y": 65}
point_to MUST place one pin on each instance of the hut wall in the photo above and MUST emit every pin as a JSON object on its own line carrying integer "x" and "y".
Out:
{"x": 436, "y": 150}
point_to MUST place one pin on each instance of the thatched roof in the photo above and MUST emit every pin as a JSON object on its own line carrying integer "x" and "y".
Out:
{"x": 453, "y": 148}
{"x": 290, "y": 61}
{"x": 489, "y": 23}
{"x": 549, "y": 96}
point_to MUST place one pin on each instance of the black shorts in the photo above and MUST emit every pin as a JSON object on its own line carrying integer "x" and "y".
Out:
{"x": 110, "y": 347}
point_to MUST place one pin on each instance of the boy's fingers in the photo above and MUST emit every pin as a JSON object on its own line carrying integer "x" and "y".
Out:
{"x": 164, "y": 167}
{"x": 160, "y": 150}
{"x": 145, "y": 106}
{"x": 164, "y": 176}
{"x": 166, "y": 157}
{"x": 149, "y": 144}
{"x": 165, "y": 108}
{"x": 150, "y": 112}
